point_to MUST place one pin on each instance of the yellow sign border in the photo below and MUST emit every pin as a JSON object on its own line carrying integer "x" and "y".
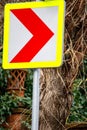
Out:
{"x": 59, "y": 40}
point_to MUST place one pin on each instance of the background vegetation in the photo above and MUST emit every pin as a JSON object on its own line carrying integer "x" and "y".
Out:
{"x": 79, "y": 106}
{"x": 8, "y": 102}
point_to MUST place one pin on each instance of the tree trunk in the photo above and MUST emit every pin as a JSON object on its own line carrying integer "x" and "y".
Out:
{"x": 55, "y": 100}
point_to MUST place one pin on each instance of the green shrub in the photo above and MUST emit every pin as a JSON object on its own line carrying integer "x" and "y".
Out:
{"x": 79, "y": 106}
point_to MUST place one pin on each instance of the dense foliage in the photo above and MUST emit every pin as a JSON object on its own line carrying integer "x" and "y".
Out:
{"x": 79, "y": 106}
{"x": 8, "y": 102}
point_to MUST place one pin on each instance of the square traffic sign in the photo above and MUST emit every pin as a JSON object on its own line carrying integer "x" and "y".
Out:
{"x": 33, "y": 34}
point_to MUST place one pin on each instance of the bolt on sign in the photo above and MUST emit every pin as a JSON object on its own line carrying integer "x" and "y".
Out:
{"x": 33, "y": 34}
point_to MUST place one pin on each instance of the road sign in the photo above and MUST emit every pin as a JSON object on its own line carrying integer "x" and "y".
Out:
{"x": 33, "y": 34}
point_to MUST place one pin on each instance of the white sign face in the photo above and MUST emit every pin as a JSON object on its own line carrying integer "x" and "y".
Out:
{"x": 20, "y": 35}
{"x": 33, "y": 40}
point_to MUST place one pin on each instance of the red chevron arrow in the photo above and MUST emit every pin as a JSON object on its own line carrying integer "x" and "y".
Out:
{"x": 41, "y": 34}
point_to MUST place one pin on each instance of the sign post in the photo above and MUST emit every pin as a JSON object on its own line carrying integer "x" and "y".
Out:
{"x": 35, "y": 104}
